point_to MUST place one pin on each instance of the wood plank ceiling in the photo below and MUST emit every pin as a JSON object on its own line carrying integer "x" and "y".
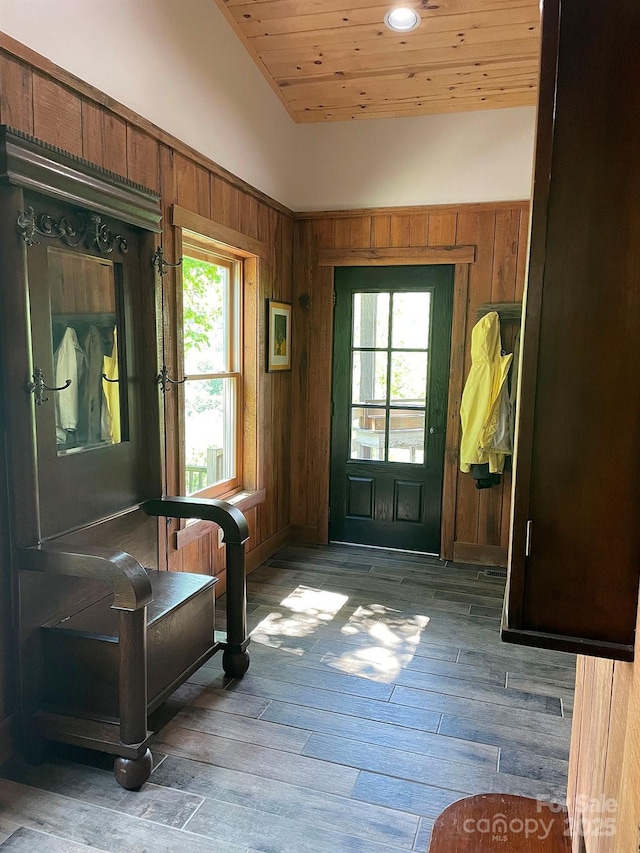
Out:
{"x": 334, "y": 60}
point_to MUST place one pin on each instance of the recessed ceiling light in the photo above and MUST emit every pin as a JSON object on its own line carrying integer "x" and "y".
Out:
{"x": 401, "y": 19}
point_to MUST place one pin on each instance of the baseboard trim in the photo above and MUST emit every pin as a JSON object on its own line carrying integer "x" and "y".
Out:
{"x": 256, "y": 557}
{"x": 7, "y": 739}
{"x": 304, "y": 534}
{"x": 268, "y": 548}
{"x": 481, "y": 555}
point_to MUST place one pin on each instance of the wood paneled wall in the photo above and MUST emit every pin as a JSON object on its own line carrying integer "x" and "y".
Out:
{"x": 604, "y": 765}
{"x": 479, "y": 528}
{"x": 41, "y": 99}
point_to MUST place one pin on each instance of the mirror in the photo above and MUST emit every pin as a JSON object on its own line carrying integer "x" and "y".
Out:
{"x": 85, "y": 322}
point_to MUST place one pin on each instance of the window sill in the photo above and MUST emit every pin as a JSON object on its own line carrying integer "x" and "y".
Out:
{"x": 241, "y": 499}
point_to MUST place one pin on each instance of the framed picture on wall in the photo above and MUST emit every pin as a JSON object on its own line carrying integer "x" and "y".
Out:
{"x": 278, "y": 335}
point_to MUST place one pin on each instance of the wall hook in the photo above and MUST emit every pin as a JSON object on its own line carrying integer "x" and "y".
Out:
{"x": 159, "y": 263}
{"x": 164, "y": 381}
{"x": 38, "y": 387}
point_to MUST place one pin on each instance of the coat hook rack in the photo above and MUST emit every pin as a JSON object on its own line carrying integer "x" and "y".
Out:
{"x": 38, "y": 387}
{"x": 160, "y": 265}
{"x": 164, "y": 380}
{"x": 504, "y": 310}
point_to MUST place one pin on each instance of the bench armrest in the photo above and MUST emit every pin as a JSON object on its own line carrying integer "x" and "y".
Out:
{"x": 126, "y": 577}
{"x": 229, "y": 517}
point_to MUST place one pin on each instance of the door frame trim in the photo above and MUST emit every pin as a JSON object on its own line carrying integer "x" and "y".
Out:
{"x": 428, "y": 256}
{"x": 394, "y": 256}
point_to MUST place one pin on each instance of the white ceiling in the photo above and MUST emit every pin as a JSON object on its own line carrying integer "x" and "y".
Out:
{"x": 180, "y": 65}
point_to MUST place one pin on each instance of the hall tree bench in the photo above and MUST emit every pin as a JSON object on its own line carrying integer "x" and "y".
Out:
{"x": 109, "y": 665}
{"x": 103, "y": 632}
{"x": 489, "y": 822}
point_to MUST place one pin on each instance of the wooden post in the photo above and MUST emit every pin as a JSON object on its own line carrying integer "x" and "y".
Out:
{"x": 132, "y": 629}
{"x": 236, "y": 596}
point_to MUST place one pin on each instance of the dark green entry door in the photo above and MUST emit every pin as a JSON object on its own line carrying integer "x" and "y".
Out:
{"x": 390, "y": 378}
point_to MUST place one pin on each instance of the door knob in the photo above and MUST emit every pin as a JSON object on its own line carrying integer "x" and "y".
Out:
{"x": 433, "y": 430}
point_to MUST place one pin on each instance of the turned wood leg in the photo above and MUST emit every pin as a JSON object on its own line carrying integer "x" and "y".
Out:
{"x": 132, "y": 773}
{"x": 235, "y": 664}
{"x": 235, "y": 659}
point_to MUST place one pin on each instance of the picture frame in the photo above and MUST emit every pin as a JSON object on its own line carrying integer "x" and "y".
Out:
{"x": 278, "y": 335}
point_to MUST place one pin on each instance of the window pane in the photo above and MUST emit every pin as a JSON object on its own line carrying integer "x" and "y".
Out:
{"x": 406, "y": 436}
{"x": 205, "y": 319}
{"x": 209, "y": 425}
{"x": 370, "y": 319}
{"x": 369, "y": 381}
{"x": 410, "y": 323}
{"x": 409, "y": 377}
{"x": 367, "y": 433}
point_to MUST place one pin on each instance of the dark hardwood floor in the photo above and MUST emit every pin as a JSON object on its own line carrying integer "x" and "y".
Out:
{"x": 379, "y": 692}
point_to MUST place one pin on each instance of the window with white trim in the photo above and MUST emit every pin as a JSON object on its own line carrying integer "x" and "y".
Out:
{"x": 211, "y": 417}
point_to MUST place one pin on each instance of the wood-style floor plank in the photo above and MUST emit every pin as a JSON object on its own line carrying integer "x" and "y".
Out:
{"x": 95, "y": 826}
{"x": 32, "y": 841}
{"x": 351, "y": 817}
{"x": 383, "y": 734}
{"x": 262, "y": 761}
{"x": 95, "y": 786}
{"x": 405, "y": 765}
{"x": 227, "y": 823}
{"x": 379, "y": 693}
{"x": 504, "y": 736}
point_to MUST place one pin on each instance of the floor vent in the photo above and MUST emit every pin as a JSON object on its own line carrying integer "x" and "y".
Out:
{"x": 495, "y": 573}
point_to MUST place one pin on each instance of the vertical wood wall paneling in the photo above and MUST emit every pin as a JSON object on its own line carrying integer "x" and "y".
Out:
{"x": 605, "y": 754}
{"x": 283, "y": 493}
{"x": 442, "y": 229}
{"x": 264, "y": 513}
{"x": 499, "y": 233}
{"x": 114, "y": 152}
{"x": 231, "y": 206}
{"x": 57, "y": 114}
{"x": 503, "y": 289}
{"x": 319, "y": 392}
{"x": 380, "y": 231}
{"x": 143, "y": 159}
{"x": 456, "y": 384}
{"x": 92, "y": 134}
{"x": 304, "y": 253}
{"x": 97, "y": 127}
{"x": 16, "y": 94}
{"x": 477, "y": 228}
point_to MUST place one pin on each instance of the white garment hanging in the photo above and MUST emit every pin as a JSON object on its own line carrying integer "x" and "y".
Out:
{"x": 68, "y": 361}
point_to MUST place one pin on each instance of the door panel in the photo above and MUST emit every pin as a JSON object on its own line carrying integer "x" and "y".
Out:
{"x": 390, "y": 376}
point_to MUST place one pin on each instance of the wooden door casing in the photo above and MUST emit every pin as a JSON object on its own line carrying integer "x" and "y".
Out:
{"x": 376, "y": 501}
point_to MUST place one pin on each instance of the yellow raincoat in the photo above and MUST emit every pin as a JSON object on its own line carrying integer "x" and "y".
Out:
{"x": 480, "y": 405}
{"x": 112, "y": 393}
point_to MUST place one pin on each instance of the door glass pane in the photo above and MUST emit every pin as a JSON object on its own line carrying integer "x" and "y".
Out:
{"x": 410, "y": 324}
{"x": 368, "y": 433}
{"x": 205, "y": 308}
{"x": 409, "y": 377}
{"x": 209, "y": 425}
{"x": 370, "y": 320}
{"x": 369, "y": 380}
{"x": 91, "y": 410}
{"x": 406, "y": 436}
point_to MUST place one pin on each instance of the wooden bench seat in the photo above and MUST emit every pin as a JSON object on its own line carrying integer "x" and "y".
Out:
{"x": 487, "y": 823}
{"x": 180, "y": 638}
